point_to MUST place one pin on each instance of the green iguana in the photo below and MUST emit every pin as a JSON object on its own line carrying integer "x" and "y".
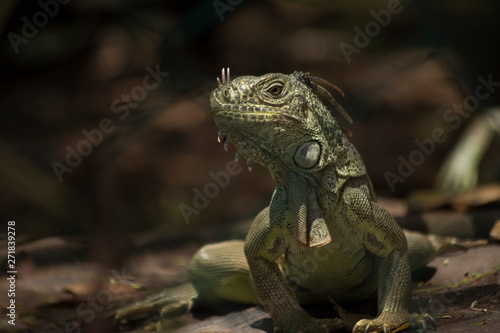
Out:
{"x": 322, "y": 237}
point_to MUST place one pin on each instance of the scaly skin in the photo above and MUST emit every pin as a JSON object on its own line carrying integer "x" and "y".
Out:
{"x": 323, "y": 234}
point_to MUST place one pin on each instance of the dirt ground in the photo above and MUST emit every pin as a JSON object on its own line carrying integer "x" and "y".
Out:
{"x": 461, "y": 291}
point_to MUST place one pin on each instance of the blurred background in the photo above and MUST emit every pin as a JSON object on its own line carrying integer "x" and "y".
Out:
{"x": 107, "y": 140}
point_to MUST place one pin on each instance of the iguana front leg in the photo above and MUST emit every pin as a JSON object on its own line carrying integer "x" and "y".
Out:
{"x": 264, "y": 245}
{"x": 393, "y": 295}
{"x": 387, "y": 241}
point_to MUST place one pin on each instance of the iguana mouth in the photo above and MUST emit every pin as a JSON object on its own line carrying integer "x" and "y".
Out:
{"x": 222, "y": 138}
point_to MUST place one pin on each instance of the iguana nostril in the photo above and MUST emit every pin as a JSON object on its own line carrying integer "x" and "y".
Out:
{"x": 226, "y": 94}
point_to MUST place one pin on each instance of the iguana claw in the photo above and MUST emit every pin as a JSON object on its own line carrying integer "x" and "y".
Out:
{"x": 386, "y": 324}
{"x": 422, "y": 321}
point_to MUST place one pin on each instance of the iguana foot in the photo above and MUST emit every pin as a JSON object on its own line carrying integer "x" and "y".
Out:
{"x": 392, "y": 322}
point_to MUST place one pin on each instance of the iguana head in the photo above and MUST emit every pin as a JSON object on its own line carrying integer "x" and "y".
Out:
{"x": 278, "y": 120}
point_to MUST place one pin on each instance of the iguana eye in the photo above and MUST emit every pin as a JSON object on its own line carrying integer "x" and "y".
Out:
{"x": 275, "y": 89}
{"x": 308, "y": 154}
